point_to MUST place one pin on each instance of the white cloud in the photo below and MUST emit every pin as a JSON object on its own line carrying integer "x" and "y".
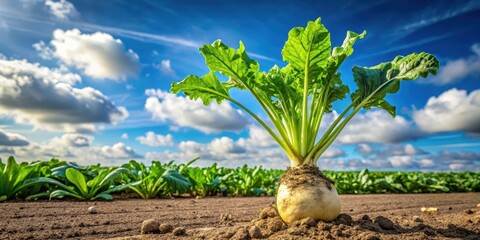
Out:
{"x": 228, "y": 152}
{"x": 333, "y": 152}
{"x": 62, "y": 9}
{"x": 156, "y": 140}
{"x": 43, "y": 50}
{"x": 426, "y": 163}
{"x": 98, "y": 55}
{"x": 402, "y": 161}
{"x": 71, "y": 140}
{"x": 364, "y": 149}
{"x": 117, "y": 151}
{"x": 457, "y": 69}
{"x": 12, "y": 139}
{"x": 453, "y": 110}
{"x": 165, "y": 67}
{"x": 124, "y": 136}
{"x": 378, "y": 126}
{"x": 183, "y": 112}
{"x": 45, "y": 98}
{"x": 74, "y": 147}
{"x": 407, "y": 149}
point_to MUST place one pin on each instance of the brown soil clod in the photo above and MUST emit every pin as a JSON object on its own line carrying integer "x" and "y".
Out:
{"x": 469, "y": 211}
{"x": 384, "y": 223}
{"x": 165, "y": 228}
{"x": 268, "y": 212}
{"x": 255, "y": 232}
{"x": 179, "y": 231}
{"x": 150, "y": 226}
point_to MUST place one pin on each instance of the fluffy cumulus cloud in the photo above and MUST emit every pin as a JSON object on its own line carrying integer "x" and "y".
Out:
{"x": 458, "y": 69}
{"x": 441, "y": 161}
{"x": 156, "y": 140}
{"x": 182, "y": 112}
{"x": 72, "y": 147}
{"x": 116, "y": 151}
{"x": 72, "y": 140}
{"x": 165, "y": 67}
{"x": 98, "y": 55}
{"x": 453, "y": 110}
{"x": 407, "y": 149}
{"x": 378, "y": 127}
{"x": 61, "y": 9}
{"x": 12, "y": 139}
{"x": 46, "y": 98}
{"x": 364, "y": 149}
{"x": 228, "y": 152}
{"x": 402, "y": 161}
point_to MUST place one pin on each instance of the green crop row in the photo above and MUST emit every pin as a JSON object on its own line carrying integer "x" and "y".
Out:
{"x": 58, "y": 179}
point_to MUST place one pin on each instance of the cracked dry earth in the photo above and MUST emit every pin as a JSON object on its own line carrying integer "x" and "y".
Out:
{"x": 370, "y": 217}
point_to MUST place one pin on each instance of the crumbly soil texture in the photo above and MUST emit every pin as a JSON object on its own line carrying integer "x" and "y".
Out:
{"x": 369, "y": 217}
{"x": 304, "y": 175}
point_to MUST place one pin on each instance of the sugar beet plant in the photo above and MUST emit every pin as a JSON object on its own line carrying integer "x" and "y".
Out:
{"x": 297, "y": 96}
{"x": 99, "y": 187}
{"x": 15, "y": 178}
{"x": 156, "y": 180}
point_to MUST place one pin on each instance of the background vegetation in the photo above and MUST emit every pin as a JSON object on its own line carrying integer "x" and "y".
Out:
{"x": 59, "y": 179}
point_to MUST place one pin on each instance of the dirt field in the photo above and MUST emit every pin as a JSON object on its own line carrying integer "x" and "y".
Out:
{"x": 231, "y": 218}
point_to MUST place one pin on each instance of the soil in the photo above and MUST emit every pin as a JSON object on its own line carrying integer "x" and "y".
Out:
{"x": 303, "y": 175}
{"x": 363, "y": 217}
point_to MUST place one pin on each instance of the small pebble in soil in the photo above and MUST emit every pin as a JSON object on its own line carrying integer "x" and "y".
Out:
{"x": 384, "y": 223}
{"x": 179, "y": 231}
{"x": 417, "y": 219}
{"x": 150, "y": 226}
{"x": 468, "y": 211}
{"x": 165, "y": 228}
{"x": 255, "y": 232}
{"x": 92, "y": 210}
{"x": 478, "y": 205}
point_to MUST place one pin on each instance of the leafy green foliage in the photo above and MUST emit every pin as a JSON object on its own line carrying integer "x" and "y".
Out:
{"x": 208, "y": 181}
{"x": 99, "y": 187}
{"x": 375, "y": 82}
{"x": 170, "y": 179}
{"x": 156, "y": 180}
{"x": 15, "y": 178}
{"x": 404, "y": 182}
{"x": 296, "y": 96}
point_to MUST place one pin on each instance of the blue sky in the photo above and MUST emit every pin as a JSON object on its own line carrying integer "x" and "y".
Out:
{"x": 88, "y": 81}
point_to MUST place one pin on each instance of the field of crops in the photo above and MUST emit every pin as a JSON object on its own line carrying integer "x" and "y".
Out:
{"x": 59, "y": 179}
